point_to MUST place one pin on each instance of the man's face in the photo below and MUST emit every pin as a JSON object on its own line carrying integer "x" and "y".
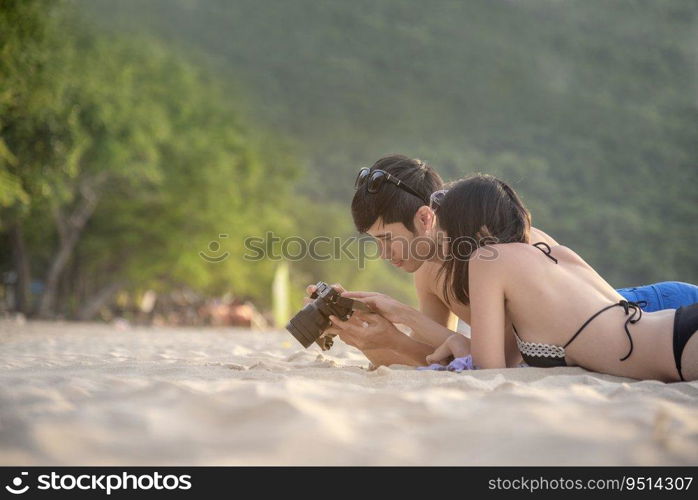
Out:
{"x": 399, "y": 245}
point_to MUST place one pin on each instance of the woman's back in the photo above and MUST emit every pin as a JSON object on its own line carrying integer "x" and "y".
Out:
{"x": 549, "y": 302}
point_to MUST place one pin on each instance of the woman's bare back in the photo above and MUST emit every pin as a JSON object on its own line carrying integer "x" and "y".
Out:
{"x": 549, "y": 302}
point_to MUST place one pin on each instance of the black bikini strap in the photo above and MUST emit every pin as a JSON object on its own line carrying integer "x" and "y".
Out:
{"x": 546, "y": 250}
{"x": 634, "y": 318}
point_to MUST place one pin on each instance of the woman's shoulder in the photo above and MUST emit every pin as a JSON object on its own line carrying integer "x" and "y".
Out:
{"x": 496, "y": 255}
{"x": 491, "y": 251}
{"x": 506, "y": 252}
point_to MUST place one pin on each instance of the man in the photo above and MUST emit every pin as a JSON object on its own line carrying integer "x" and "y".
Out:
{"x": 391, "y": 204}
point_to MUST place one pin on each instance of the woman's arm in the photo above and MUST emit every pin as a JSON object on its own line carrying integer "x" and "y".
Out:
{"x": 487, "y": 312}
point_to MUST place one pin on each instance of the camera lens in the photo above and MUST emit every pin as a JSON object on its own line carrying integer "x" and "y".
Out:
{"x": 300, "y": 334}
{"x": 308, "y": 325}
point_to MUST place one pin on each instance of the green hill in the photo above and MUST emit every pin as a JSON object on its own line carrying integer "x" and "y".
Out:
{"x": 590, "y": 108}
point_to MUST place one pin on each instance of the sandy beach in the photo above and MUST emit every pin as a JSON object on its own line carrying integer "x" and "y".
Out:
{"x": 95, "y": 394}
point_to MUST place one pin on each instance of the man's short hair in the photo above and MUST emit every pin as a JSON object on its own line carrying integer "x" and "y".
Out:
{"x": 391, "y": 203}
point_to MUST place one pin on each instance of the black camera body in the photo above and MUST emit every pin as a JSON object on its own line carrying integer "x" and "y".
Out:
{"x": 309, "y": 323}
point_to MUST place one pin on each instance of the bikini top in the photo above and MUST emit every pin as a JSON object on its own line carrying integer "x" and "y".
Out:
{"x": 548, "y": 355}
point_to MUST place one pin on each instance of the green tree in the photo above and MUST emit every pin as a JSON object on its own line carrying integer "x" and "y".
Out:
{"x": 135, "y": 160}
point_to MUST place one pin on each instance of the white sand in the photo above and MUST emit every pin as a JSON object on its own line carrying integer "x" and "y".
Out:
{"x": 92, "y": 394}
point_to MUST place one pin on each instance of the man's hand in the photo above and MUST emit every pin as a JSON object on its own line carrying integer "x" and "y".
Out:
{"x": 366, "y": 331}
{"x": 455, "y": 346}
{"x": 309, "y": 290}
{"x": 391, "y": 309}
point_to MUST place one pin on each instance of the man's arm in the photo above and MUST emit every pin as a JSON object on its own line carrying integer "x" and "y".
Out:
{"x": 432, "y": 308}
{"x": 380, "y": 341}
{"x": 432, "y": 327}
{"x": 424, "y": 330}
{"x": 429, "y": 303}
{"x": 379, "y": 357}
{"x": 412, "y": 351}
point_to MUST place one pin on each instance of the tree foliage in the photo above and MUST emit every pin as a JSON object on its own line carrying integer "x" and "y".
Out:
{"x": 123, "y": 161}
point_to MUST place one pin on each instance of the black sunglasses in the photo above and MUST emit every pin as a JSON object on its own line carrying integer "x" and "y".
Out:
{"x": 436, "y": 198}
{"x": 375, "y": 179}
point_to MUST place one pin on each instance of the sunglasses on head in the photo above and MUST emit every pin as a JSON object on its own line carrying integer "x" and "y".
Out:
{"x": 375, "y": 180}
{"x": 436, "y": 198}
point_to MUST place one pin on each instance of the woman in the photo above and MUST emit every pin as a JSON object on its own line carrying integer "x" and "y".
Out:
{"x": 563, "y": 312}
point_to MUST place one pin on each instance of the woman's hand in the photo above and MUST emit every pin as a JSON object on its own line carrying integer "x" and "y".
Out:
{"x": 366, "y": 331}
{"x": 391, "y": 309}
{"x": 455, "y": 346}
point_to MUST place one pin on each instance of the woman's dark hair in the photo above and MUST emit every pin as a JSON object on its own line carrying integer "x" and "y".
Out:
{"x": 392, "y": 203}
{"x": 477, "y": 211}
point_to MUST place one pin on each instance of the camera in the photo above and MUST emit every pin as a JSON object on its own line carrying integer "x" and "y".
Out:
{"x": 309, "y": 323}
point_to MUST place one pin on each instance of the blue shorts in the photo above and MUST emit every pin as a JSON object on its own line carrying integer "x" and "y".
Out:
{"x": 664, "y": 295}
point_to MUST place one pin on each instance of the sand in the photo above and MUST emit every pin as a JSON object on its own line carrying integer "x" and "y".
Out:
{"x": 94, "y": 394}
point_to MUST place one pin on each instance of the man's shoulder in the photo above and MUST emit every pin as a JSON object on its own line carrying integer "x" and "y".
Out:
{"x": 427, "y": 271}
{"x": 426, "y": 276}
